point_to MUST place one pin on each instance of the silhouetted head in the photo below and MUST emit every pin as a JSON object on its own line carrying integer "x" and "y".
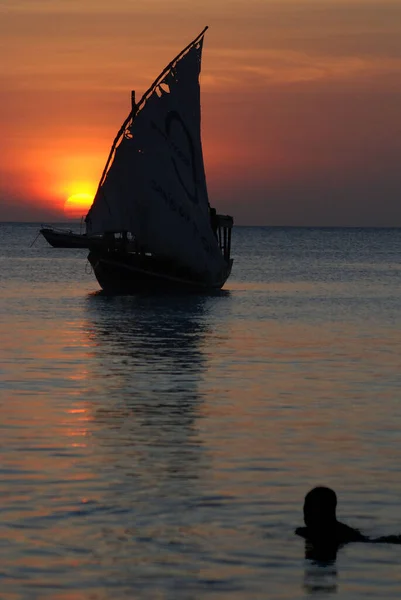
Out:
{"x": 320, "y": 508}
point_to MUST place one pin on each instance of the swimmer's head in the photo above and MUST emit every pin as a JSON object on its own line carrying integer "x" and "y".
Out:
{"x": 320, "y": 507}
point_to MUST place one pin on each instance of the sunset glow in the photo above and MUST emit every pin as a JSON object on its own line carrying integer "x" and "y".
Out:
{"x": 300, "y": 102}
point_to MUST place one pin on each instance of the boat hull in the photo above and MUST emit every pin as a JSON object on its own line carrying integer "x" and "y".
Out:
{"x": 64, "y": 239}
{"x": 68, "y": 239}
{"x": 129, "y": 275}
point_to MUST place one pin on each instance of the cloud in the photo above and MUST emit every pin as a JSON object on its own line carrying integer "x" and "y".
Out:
{"x": 260, "y": 68}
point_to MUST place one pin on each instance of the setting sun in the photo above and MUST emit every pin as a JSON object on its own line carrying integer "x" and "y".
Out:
{"x": 77, "y": 205}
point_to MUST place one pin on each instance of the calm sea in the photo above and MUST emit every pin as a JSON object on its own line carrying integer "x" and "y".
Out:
{"x": 161, "y": 447}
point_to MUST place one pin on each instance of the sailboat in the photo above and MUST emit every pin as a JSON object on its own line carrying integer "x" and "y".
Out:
{"x": 151, "y": 207}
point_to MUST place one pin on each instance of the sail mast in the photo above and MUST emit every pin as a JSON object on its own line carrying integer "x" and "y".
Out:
{"x": 136, "y": 107}
{"x": 169, "y": 66}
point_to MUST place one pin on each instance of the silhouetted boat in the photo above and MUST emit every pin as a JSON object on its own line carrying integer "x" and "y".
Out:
{"x": 151, "y": 207}
{"x": 64, "y": 238}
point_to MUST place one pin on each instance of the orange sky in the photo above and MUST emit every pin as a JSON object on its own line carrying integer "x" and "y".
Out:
{"x": 301, "y": 102}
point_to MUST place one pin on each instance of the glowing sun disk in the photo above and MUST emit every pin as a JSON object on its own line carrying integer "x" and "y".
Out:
{"x": 77, "y": 205}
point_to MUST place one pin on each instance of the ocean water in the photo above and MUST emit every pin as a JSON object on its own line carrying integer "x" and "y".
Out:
{"x": 161, "y": 447}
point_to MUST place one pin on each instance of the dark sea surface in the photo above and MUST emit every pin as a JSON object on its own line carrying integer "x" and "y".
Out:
{"x": 161, "y": 447}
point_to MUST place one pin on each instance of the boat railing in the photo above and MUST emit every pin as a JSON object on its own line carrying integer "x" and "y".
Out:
{"x": 224, "y": 225}
{"x": 57, "y": 229}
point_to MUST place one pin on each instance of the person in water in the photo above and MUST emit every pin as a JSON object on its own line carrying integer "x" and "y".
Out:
{"x": 321, "y": 522}
{"x": 323, "y": 533}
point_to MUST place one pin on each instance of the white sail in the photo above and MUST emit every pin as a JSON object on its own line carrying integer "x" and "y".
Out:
{"x": 155, "y": 186}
